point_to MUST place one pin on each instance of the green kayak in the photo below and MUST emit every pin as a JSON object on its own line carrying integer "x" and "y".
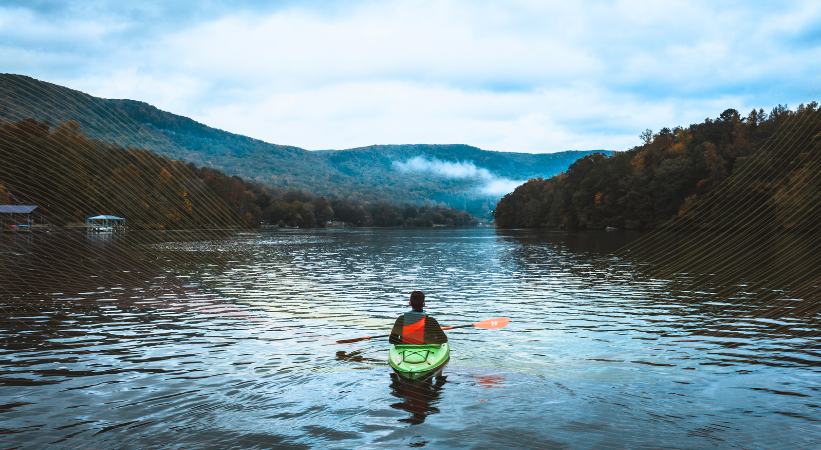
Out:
{"x": 418, "y": 361}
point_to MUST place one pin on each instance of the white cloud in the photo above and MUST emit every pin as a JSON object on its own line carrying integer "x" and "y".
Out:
{"x": 519, "y": 76}
{"x": 446, "y": 169}
{"x": 487, "y": 183}
{"x": 500, "y": 187}
{"x": 174, "y": 92}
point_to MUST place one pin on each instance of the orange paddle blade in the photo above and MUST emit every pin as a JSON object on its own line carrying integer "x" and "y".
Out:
{"x": 349, "y": 341}
{"x": 489, "y": 324}
{"x": 492, "y": 324}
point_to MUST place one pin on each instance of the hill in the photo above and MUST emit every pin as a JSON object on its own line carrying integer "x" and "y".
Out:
{"x": 457, "y": 175}
{"x": 755, "y": 233}
{"x": 70, "y": 177}
{"x": 761, "y": 162}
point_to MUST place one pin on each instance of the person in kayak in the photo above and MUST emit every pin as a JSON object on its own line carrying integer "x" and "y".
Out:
{"x": 415, "y": 326}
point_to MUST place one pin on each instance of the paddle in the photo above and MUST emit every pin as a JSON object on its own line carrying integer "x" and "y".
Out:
{"x": 489, "y": 324}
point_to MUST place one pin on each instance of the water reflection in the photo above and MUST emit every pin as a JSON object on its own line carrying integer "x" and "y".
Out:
{"x": 356, "y": 356}
{"x": 490, "y": 381}
{"x": 737, "y": 263}
{"x": 590, "y": 242}
{"x": 418, "y": 397}
{"x": 229, "y": 341}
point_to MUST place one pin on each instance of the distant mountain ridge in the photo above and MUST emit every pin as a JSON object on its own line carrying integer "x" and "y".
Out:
{"x": 458, "y": 175}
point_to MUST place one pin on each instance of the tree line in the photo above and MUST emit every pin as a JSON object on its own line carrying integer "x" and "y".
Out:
{"x": 666, "y": 176}
{"x": 70, "y": 177}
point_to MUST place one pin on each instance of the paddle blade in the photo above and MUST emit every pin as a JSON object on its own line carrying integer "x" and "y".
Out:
{"x": 348, "y": 341}
{"x": 492, "y": 324}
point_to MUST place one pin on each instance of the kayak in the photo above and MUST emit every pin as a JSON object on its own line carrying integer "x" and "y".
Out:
{"x": 418, "y": 361}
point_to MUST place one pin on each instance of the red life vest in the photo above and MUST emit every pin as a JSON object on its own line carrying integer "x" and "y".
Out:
{"x": 414, "y": 333}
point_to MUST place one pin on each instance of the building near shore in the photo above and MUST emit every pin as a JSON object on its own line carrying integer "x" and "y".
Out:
{"x": 105, "y": 223}
{"x": 16, "y": 217}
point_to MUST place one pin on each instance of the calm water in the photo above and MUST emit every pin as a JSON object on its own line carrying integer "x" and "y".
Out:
{"x": 227, "y": 342}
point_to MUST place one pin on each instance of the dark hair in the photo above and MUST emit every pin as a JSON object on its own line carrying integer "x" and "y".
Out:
{"x": 417, "y": 300}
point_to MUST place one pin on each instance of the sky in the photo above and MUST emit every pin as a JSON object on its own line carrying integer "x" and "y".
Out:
{"x": 525, "y": 76}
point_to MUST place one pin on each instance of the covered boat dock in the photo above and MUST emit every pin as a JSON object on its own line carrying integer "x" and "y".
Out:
{"x": 105, "y": 223}
{"x": 16, "y": 217}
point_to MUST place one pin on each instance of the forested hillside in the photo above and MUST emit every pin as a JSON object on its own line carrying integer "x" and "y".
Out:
{"x": 376, "y": 173}
{"x": 683, "y": 169}
{"x": 70, "y": 176}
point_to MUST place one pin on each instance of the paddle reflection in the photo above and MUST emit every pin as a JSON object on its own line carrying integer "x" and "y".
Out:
{"x": 355, "y": 356}
{"x": 418, "y": 397}
{"x": 489, "y": 381}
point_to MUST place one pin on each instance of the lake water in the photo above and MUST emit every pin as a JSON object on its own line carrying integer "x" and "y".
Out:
{"x": 142, "y": 341}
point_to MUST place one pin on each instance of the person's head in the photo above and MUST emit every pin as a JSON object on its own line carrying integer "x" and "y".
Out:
{"x": 417, "y": 300}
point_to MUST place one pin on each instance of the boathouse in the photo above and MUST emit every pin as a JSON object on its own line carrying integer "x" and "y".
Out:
{"x": 104, "y": 223}
{"x": 16, "y": 217}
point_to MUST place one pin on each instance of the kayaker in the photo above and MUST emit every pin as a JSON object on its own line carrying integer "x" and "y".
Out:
{"x": 415, "y": 326}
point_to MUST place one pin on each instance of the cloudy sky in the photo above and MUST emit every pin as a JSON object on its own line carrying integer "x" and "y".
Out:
{"x": 534, "y": 76}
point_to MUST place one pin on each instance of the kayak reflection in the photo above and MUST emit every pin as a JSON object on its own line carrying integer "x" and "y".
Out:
{"x": 419, "y": 397}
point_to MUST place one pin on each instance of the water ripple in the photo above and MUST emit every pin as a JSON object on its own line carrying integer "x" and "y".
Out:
{"x": 229, "y": 342}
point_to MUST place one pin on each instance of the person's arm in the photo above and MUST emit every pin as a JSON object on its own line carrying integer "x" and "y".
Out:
{"x": 396, "y": 332}
{"x": 433, "y": 332}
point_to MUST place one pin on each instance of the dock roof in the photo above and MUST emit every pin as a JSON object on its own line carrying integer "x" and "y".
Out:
{"x": 17, "y": 209}
{"x": 105, "y": 217}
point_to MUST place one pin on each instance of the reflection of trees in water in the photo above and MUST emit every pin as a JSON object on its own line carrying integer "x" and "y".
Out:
{"x": 583, "y": 242}
{"x": 744, "y": 284}
{"x": 737, "y": 265}
{"x": 51, "y": 283}
{"x": 586, "y": 256}
{"x": 748, "y": 283}
{"x": 73, "y": 261}
{"x": 723, "y": 286}
{"x": 765, "y": 268}
{"x": 67, "y": 262}
{"x": 418, "y": 397}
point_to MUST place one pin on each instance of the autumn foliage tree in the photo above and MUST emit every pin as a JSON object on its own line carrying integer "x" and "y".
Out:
{"x": 663, "y": 178}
